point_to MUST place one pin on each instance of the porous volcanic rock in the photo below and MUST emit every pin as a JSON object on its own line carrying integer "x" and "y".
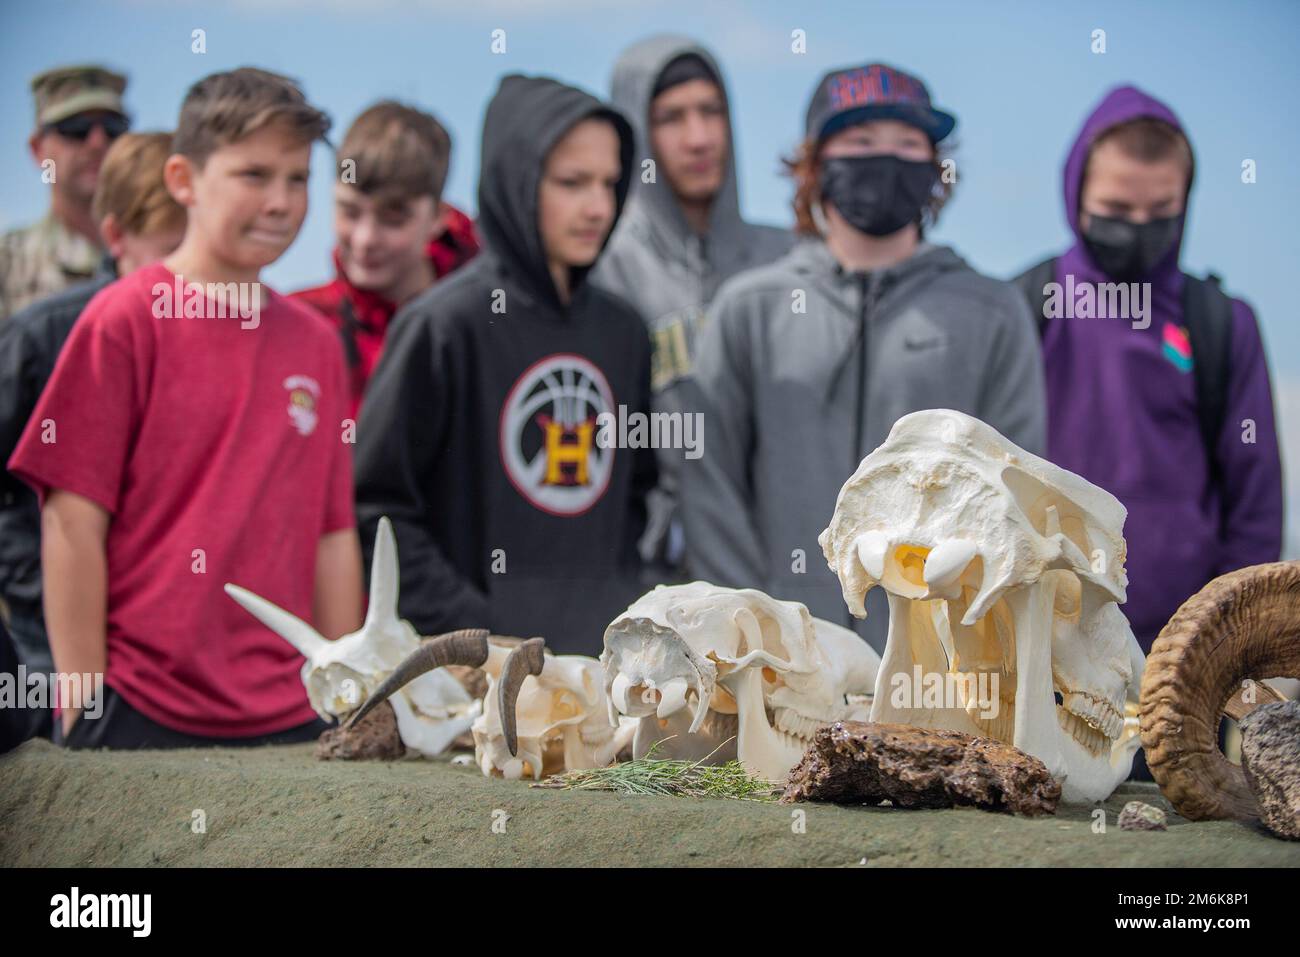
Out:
{"x": 862, "y": 762}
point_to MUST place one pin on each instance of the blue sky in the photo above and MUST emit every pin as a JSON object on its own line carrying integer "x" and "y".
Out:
{"x": 1019, "y": 75}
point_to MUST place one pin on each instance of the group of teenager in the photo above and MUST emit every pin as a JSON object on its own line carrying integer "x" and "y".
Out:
{"x": 452, "y": 375}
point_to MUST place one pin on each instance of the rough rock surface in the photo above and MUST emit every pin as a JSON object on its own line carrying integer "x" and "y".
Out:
{"x": 375, "y": 738}
{"x": 860, "y": 762}
{"x": 1270, "y": 758}
{"x": 1137, "y": 816}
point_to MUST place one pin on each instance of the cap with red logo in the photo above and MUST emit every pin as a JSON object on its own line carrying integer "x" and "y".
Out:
{"x": 874, "y": 92}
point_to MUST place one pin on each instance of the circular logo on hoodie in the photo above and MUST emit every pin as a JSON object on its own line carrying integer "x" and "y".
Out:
{"x": 548, "y": 434}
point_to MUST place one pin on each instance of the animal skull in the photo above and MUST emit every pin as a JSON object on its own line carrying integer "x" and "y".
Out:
{"x": 338, "y": 675}
{"x": 722, "y": 672}
{"x": 543, "y": 714}
{"x": 999, "y": 566}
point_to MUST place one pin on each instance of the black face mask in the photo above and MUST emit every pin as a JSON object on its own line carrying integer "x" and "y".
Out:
{"x": 1128, "y": 251}
{"x": 878, "y": 195}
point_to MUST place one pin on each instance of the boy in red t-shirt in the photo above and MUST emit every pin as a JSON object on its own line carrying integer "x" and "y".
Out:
{"x": 191, "y": 435}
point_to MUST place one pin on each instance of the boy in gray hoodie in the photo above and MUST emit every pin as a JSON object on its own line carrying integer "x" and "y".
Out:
{"x": 681, "y": 235}
{"x": 804, "y": 365}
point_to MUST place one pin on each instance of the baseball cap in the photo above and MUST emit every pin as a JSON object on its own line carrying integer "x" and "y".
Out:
{"x": 874, "y": 92}
{"x": 69, "y": 90}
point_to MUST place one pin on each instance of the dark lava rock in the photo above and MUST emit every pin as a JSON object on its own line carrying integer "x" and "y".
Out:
{"x": 1270, "y": 758}
{"x": 375, "y": 738}
{"x": 860, "y": 762}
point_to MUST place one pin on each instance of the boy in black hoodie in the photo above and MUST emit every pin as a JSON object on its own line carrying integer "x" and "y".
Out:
{"x": 485, "y": 434}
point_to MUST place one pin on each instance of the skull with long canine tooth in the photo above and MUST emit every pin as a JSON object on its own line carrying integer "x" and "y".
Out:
{"x": 730, "y": 673}
{"x": 1002, "y": 571}
{"x": 543, "y": 714}
{"x": 431, "y": 711}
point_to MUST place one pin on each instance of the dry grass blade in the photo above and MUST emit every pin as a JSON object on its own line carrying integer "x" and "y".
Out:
{"x": 673, "y": 778}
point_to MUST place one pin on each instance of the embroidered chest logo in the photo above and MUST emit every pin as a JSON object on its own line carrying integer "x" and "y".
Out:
{"x": 1177, "y": 348}
{"x": 548, "y": 432}
{"x": 304, "y": 396}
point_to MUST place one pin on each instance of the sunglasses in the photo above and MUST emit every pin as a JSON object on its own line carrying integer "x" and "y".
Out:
{"x": 79, "y": 127}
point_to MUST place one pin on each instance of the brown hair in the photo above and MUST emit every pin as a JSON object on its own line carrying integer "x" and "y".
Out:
{"x": 396, "y": 152}
{"x": 1148, "y": 139}
{"x": 226, "y": 107}
{"x": 131, "y": 185}
{"x": 805, "y": 168}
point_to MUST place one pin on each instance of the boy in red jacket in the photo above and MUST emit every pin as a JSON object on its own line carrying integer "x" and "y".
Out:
{"x": 191, "y": 435}
{"x": 396, "y": 236}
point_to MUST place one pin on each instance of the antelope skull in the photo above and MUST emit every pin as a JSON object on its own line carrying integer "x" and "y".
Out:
{"x": 543, "y": 714}
{"x": 432, "y": 711}
{"x": 731, "y": 673}
{"x": 1003, "y": 572}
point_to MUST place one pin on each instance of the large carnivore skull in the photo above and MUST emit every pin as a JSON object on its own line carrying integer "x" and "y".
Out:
{"x": 543, "y": 714}
{"x": 432, "y": 711}
{"x": 1003, "y": 572}
{"x": 731, "y": 673}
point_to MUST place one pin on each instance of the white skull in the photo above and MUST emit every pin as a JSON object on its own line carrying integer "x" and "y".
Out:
{"x": 432, "y": 711}
{"x": 722, "y": 672}
{"x": 1003, "y": 572}
{"x": 561, "y": 720}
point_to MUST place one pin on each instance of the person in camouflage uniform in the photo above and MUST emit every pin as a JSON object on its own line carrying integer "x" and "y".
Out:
{"x": 79, "y": 113}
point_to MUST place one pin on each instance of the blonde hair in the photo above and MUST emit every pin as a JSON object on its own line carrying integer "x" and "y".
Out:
{"x": 131, "y": 187}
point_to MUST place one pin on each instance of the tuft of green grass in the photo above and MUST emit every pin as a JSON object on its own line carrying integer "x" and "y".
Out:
{"x": 673, "y": 778}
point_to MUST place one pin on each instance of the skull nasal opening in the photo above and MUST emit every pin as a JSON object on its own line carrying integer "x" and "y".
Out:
{"x": 905, "y": 571}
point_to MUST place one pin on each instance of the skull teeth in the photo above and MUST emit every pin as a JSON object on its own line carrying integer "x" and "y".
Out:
{"x": 1089, "y": 737}
{"x": 1097, "y": 713}
{"x": 792, "y": 724}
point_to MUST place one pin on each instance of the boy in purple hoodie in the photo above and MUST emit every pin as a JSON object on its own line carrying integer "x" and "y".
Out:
{"x": 1157, "y": 386}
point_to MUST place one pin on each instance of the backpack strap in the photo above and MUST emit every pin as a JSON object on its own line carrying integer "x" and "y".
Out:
{"x": 1207, "y": 311}
{"x": 1031, "y": 283}
{"x": 348, "y": 326}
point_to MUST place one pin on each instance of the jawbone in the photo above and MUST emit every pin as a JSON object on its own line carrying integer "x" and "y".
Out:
{"x": 1083, "y": 743}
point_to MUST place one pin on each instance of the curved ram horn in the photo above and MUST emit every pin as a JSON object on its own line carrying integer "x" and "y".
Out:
{"x": 1243, "y": 625}
{"x": 527, "y": 659}
{"x": 469, "y": 646}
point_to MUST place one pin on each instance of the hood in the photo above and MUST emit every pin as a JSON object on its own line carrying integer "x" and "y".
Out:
{"x": 635, "y": 75}
{"x": 525, "y": 119}
{"x": 811, "y": 257}
{"x": 1118, "y": 106}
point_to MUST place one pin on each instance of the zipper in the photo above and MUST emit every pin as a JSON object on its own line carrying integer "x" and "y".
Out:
{"x": 859, "y": 412}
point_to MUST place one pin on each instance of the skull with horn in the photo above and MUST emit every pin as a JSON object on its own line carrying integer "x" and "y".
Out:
{"x": 543, "y": 714}
{"x": 432, "y": 710}
{"x": 1210, "y": 660}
